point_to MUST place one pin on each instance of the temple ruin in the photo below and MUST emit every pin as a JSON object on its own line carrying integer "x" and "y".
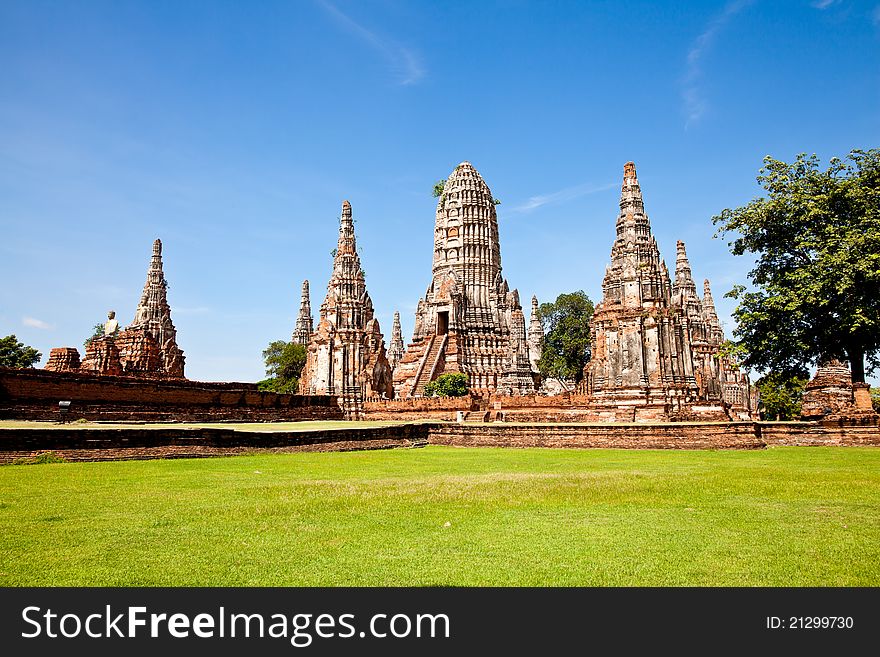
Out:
{"x": 832, "y": 397}
{"x": 655, "y": 343}
{"x": 469, "y": 320}
{"x": 147, "y": 348}
{"x": 346, "y": 353}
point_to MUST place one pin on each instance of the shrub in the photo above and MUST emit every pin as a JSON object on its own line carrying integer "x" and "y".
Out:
{"x": 453, "y": 384}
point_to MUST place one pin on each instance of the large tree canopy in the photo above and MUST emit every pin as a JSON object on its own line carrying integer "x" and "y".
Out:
{"x": 816, "y": 241}
{"x": 284, "y": 363}
{"x": 17, "y": 354}
{"x": 566, "y": 347}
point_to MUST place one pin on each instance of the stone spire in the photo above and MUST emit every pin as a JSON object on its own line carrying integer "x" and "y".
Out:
{"x": 304, "y": 325}
{"x": 713, "y": 326}
{"x": 153, "y": 306}
{"x": 346, "y": 354}
{"x": 347, "y": 287}
{"x": 636, "y": 275}
{"x": 397, "y": 348}
{"x": 153, "y": 317}
{"x": 684, "y": 293}
{"x": 464, "y": 321}
{"x": 536, "y": 335}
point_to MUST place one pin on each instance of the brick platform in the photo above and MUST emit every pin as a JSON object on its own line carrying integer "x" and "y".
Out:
{"x": 97, "y": 444}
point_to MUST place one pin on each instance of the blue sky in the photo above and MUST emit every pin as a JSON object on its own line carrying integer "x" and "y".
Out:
{"x": 233, "y": 131}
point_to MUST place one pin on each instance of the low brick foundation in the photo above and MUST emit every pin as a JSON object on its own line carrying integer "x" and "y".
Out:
{"x": 34, "y": 395}
{"x": 97, "y": 444}
{"x": 733, "y": 435}
{"x": 89, "y": 444}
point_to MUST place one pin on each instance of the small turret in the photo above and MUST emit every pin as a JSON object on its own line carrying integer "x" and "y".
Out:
{"x": 304, "y": 323}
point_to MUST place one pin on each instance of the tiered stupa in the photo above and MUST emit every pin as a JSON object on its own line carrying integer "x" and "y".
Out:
{"x": 705, "y": 352}
{"x": 655, "y": 344}
{"x": 638, "y": 341}
{"x": 149, "y": 343}
{"x": 304, "y": 324}
{"x": 469, "y": 320}
{"x": 346, "y": 353}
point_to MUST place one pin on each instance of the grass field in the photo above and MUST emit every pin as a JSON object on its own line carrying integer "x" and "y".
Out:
{"x": 446, "y": 516}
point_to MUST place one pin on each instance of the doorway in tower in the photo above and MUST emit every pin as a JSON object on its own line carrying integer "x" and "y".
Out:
{"x": 442, "y": 322}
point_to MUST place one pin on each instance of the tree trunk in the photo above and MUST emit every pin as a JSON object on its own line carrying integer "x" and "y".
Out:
{"x": 857, "y": 364}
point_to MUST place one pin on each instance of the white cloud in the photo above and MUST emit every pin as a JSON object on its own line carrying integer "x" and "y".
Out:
{"x": 695, "y": 104}
{"x": 567, "y": 194}
{"x": 33, "y": 322}
{"x": 824, "y": 4}
{"x": 405, "y": 62}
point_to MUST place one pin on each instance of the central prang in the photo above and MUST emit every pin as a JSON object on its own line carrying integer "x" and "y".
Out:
{"x": 469, "y": 320}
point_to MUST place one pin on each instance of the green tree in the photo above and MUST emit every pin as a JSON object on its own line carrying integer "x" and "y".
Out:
{"x": 781, "y": 395}
{"x": 816, "y": 242}
{"x": 437, "y": 191}
{"x": 452, "y": 384}
{"x": 284, "y": 363}
{"x": 875, "y": 399}
{"x": 566, "y": 346}
{"x": 17, "y": 354}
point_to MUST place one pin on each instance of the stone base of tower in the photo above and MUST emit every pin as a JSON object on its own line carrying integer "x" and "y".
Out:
{"x": 428, "y": 357}
{"x": 671, "y": 404}
{"x": 425, "y": 359}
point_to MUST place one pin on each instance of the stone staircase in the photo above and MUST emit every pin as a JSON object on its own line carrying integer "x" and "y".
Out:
{"x": 429, "y": 364}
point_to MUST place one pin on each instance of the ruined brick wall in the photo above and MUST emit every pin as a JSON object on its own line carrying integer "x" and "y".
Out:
{"x": 419, "y": 408}
{"x": 34, "y": 395}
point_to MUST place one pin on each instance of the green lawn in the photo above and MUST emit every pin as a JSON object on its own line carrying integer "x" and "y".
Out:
{"x": 446, "y": 516}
